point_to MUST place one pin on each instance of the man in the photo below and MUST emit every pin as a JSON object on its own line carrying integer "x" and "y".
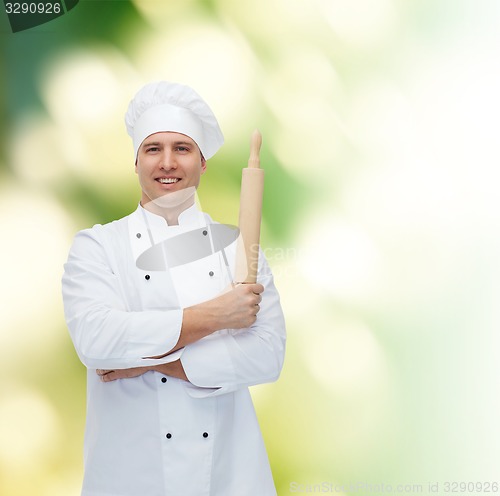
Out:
{"x": 170, "y": 351}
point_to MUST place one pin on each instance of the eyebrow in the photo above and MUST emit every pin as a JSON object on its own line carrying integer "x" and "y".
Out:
{"x": 188, "y": 143}
{"x": 175, "y": 143}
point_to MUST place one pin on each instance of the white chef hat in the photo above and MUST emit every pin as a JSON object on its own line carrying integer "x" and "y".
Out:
{"x": 164, "y": 106}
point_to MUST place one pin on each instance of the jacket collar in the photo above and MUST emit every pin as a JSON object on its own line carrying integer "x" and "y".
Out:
{"x": 190, "y": 218}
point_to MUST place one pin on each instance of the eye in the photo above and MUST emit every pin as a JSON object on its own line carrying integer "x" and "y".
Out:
{"x": 182, "y": 149}
{"x": 152, "y": 149}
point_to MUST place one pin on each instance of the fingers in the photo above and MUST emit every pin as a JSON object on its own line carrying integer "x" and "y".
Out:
{"x": 103, "y": 372}
{"x": 113, "y": 375}
{"x": 106, "y": 375}
{"x": 258, "y": 299}
{"x": 240, "y": 306}
{"x": 255, "y": 291}
{"x": 256, "y": 288}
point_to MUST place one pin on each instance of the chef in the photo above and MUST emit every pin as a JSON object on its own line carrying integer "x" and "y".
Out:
{"x": 171, "y": 347}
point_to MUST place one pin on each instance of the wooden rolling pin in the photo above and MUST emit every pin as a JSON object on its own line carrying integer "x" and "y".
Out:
{"x": 252, "y": 188}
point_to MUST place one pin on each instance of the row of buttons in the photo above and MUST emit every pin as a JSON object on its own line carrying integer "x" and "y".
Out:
{"x": 169, "y": 436}
{"x": 164, "y": 379}
{"x": 139, "y": 234}
{"x": 148, "y": 277}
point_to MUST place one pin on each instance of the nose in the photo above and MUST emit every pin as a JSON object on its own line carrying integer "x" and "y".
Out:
{"x": 168, "y": 161}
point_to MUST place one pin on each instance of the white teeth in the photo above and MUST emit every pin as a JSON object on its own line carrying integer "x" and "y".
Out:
{"x": 168, "y": 180}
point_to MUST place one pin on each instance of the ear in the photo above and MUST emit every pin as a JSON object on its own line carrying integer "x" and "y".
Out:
{"x": 135, "y": 167}
{"x": 203, "y": 165}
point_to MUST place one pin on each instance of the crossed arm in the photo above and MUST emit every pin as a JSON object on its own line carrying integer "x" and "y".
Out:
{"x": 234, "y": 309}
{"x": 114, "y": 334}
{"x": 172, "y": 369}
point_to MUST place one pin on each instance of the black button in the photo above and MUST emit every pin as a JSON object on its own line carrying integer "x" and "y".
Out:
{"x": 211, "y": 273}
{"x": 169, "y": 435}
{"x": 138, "y": 235}
{"x": 205, "y": 434}
{"x": 147, "y": 277}
{"x": 205, "y": 233}
{"x": 163, "y": 379}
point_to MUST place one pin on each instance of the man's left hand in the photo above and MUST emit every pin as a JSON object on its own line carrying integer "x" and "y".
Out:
{"x": 113, "y": 375}
{"x": 173, "y": 369}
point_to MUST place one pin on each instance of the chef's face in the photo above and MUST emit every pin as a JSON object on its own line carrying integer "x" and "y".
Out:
{"x": 167, "y": 163}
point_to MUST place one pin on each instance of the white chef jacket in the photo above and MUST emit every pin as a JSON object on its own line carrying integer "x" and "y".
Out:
{"x": 155, "y": 435}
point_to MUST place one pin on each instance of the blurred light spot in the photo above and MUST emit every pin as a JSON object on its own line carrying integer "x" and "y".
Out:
{"x": 86, "y": 87}
{"x": 156, "y": 12}
{"x": 383, "y": 121}
{"x": 340, "y": 258}
{"x": 290, "y": 281}
{"x": 28, "y": 430}
{"x": 344, "y": 356}
{"x": 351, "y": 373}
{"x": 274, "y": 22}
{"x": 427, "y": 191}
{"x": 304, "y": 93}
{"x": 42, "y": 152}
{"x": 301, "y": 72}
{"x": 35, "y": 243}
{"x": 360, "y": 23}
{"x": 456, "y": 101}
{"x": 195, "y": 52}
{"x": 307, "y": 140}
{"x": 87, "y": 94}
{"x": 67, "y": 484}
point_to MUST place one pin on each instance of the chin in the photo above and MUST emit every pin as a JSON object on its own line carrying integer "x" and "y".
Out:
{"x": 171, "y": 199}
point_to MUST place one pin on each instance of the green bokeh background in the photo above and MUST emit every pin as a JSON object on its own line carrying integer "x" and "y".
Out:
{"x": 381, "y": 219}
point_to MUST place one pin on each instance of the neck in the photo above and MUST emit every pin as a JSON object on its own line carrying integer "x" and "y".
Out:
{"x": 170, "y": 213}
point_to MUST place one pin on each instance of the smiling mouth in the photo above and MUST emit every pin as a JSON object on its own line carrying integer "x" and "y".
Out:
{"x": 168, "y": 180}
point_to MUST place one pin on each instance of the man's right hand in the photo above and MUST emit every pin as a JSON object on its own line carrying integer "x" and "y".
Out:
{"x": 238, "y": 307}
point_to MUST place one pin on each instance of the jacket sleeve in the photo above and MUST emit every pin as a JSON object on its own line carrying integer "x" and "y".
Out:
{"x": 231, "y": 359}
{"x": 106, "y": 333}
